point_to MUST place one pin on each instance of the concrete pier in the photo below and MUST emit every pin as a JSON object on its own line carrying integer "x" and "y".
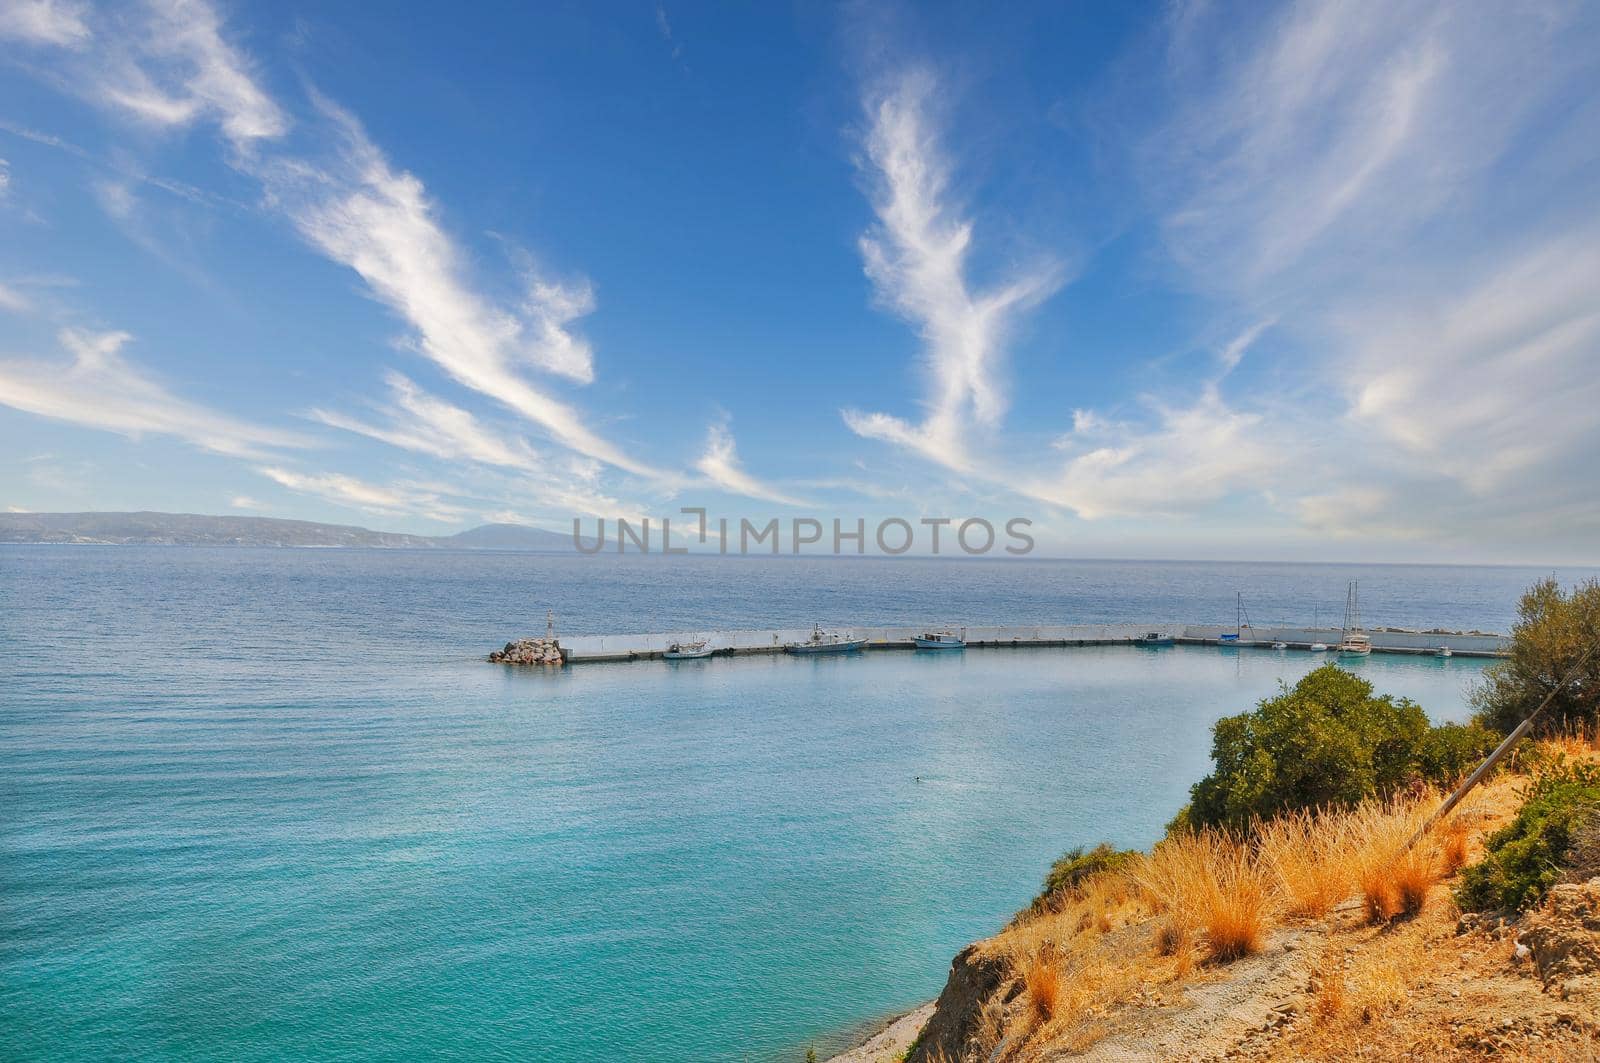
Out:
{"x": 583, "y": 649}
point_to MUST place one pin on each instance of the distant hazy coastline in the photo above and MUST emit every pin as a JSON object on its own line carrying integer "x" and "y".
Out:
{"x": 194, "y": 529}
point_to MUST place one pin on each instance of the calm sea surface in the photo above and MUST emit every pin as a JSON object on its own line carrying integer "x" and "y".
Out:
{"x": 272, "y": 804}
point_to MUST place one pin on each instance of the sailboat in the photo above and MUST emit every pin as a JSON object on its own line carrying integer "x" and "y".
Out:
{"x": 1241, "y": 621}
{"x": 1356, "y": 643}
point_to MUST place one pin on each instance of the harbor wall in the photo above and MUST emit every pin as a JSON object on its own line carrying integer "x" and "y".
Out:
{"x": 587, "y": 648}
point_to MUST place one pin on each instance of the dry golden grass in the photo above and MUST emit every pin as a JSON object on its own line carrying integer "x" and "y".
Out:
{"x": 1310, "y": 860}
{"x": 1211, "y": 883}
{"x": 1394, "y": 879}
{"x": 1041, "y": 978}
{"x": 1575, "y": 740}
{"x": 1454, "y": 838}
{"x": 1235, "y": 914}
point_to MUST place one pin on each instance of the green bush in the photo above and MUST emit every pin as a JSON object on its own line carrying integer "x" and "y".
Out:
{"x": 1069, "y": 872}
{"x": 1559, "y": 820}
{"x": 1448, "y": 753}
{"x": 1327, "y": 742}
{"x": 1554, "y": 629}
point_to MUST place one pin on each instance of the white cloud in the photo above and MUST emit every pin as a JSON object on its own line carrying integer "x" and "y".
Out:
{"x": 1192, "y": 457}
{"x": 53, "y": 22}
{"x": 100, "y": 389}
{"x": 1489, "y": 381}
{"x": 245, "y": 502}
{"x": 5, "y": 178}
{"x": 917, "y": 257}
{"x": 423, "y": 423}
{"x": 1233, "y": 353}
{"x": 14, "y": 301}
{"x": 397, "y": 499}
{"x": 720, "y": 465}
{"x": 380, "y": 223}
{"x": 173, "y": 66}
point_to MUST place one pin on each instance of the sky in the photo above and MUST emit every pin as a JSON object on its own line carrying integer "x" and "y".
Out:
{"x": 1310, "y": 281}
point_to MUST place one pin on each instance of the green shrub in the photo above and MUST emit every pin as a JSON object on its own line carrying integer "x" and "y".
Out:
{"x": 1327, "y": 742}
{"x": 1559, "y": 820}
{"x": 1554, "y": 629}
{"x": 1448, "y": 753}
{"x": 1069, "y": 872}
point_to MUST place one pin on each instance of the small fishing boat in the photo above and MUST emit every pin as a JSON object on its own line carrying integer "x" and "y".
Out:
{"x": 1154, "y": 638}
{"x": 1356, "y": 643}
{"x": 1280, "y": 645}
{"x": 820, "y": 641}
{"x": 1444, "y": 651}
{"x": 1319, "y": 647}
{"x": 940, "y": 640}
{"x": 688, "y": 651}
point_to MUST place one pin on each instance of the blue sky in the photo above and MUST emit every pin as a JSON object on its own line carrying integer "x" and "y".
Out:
{"x": 1172, "y": 280}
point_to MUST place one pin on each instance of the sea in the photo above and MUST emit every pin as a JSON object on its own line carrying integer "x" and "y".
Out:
{"x": 274, "y": 804}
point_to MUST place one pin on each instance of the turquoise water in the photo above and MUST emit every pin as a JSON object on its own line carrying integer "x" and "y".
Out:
{"x": 270, "y": 804}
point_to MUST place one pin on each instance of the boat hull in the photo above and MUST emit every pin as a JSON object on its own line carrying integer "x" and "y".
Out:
{"x": 803, "y": 650}
{"x": 1159, "y": 640}
{"x": 940, "y": 644}
{"x": 687, "y": 655}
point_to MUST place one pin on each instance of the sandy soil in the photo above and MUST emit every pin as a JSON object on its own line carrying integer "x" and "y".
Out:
{"x": 890, "y": 1045}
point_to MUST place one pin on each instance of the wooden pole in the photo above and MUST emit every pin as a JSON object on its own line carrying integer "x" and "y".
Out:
{"x": 1501, "y": 750}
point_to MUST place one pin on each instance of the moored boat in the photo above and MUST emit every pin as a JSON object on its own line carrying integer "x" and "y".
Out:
{"x": 820, "y": 641}
{"x": 1154, "y": 638}
{"x": 1356, "y": 643}
{"x": 1444, "y": 651}
{"x": 688, "y": 651}
{"x": 940, "y": 640}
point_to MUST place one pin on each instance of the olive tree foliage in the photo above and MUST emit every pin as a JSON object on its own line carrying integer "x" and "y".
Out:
{"x": 1554, "y": 630}
{"x": 1326, "y": 742}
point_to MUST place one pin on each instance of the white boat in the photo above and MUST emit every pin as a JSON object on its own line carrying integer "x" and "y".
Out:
{"x": 688, "y": 651}
{"x": 1356, "y": 643}
{"x": 940, "y": 640}
{"x": 820, "y": 641}
{"x": 1319, "y": 647}
{"x": 1444, "y": 651}
{"x": 1280, "y": 645}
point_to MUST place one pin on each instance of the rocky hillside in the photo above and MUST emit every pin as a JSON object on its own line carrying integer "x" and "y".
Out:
{"x": 1325, "y": 941}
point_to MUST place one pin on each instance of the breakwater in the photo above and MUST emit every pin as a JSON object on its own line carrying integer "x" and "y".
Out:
{"x": 583, "y": 649}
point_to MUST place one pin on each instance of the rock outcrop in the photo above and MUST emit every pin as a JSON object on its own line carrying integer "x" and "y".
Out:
{"x": 529, "y": 651}
{"x": 955, "y": 1030}
{"x": 1564, "y": 938}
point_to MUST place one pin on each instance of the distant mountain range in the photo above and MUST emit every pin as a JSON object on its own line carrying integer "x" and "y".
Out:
{"x": 193, "y": 529}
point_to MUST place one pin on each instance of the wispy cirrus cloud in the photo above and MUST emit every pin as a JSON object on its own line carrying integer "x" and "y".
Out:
{"x": 362, "y": 213}
{"x": 395, "y": 499}
{"x": 170, "y": 65}
{"x": 918, "y": 259}
{"x": 423, "y": 423}
{"x": 46, "y": 22}
{"x": 98, "y": 388}
{"x": 14, "y": 301}
{"x": 1403, "y": 188}
{"x": 720, "y": 465}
